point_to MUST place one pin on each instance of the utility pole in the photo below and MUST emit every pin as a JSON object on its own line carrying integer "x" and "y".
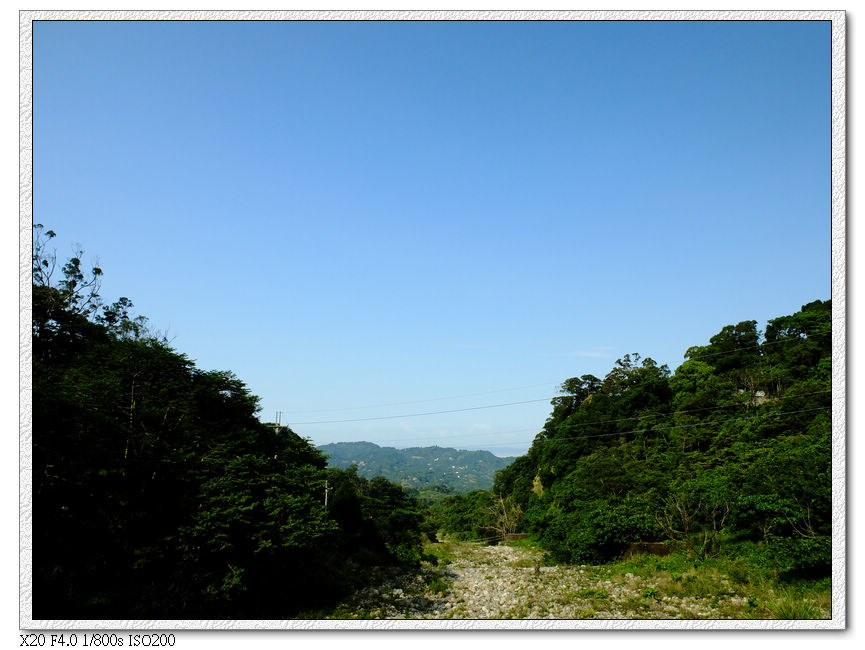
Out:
{"x": 276, "y": 431}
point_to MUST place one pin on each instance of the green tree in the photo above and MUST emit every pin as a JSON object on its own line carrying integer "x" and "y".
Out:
{"x": 157, "y": 492}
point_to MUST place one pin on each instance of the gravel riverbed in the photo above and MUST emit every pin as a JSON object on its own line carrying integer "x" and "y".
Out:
{"x": 507, "y": 582}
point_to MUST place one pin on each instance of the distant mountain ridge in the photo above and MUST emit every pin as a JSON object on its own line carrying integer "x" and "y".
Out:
{"x": 418, "y": 467}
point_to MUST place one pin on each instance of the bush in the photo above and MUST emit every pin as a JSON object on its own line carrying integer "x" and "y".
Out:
{"x": 803, "y": 557}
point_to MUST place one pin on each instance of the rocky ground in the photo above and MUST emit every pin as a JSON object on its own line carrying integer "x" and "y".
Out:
{"x": 474, "y": 581}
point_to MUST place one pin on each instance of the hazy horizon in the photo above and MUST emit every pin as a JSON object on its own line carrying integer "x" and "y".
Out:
{"x": 458, "y": 448}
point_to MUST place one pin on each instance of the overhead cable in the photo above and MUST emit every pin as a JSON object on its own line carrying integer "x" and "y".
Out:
{"x": 436, "y": 399}
{"x": 414, "y": 415}
{"x": 430, "y": 399}
{"x": 577, "y": 425}
{"x": 684, "y": 426}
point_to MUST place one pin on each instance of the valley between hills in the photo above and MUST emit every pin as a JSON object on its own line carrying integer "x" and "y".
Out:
{"x": 434, "y": 472}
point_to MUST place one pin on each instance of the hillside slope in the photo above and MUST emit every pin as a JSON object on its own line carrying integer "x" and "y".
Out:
{"x": 729, "y": 455}
{"x": 418, "y": 467}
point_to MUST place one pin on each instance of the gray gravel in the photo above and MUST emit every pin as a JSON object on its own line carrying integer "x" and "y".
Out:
{"x": 502, "y": 582}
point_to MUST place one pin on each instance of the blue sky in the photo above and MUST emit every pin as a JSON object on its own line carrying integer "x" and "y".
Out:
{"x": 371, "y": 219}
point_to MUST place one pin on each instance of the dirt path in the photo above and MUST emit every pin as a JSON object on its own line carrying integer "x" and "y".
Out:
{"x": 502, "y": 582}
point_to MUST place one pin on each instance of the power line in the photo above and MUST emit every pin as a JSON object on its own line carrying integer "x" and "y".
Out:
{"x": 759, "y": 345}
{"x": 657, "y": 429}
{"x": 596, "y": 422}
{"x": 476, "y": 408}
{"x": 685, "y": 426}
{"x": 706, "y": 408}
{"x": 431, "y": 399}
{"x": 542, "y": 399}
{"x": 414, "y": 415}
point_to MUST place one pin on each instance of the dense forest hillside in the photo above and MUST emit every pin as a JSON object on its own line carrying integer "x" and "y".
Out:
{"x": 730, "y": 456}
{"x": 418, "y": 467}
{"x": 157, "y": 492}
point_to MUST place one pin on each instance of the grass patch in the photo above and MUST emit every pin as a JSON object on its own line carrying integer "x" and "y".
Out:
{"x": 650, "y": 592}
{"x": 592, "y": 599}
{"x": 734, "y": 586}
{"x": 592, "y": 593}
{"x": 796, "y": 608}
{"x": 444, "y": 551}
{"x": 799, "y": 602}
{"x": 634, "y": 605}
{"x": 649, "y": 565}
{"x": 438, "y": 585}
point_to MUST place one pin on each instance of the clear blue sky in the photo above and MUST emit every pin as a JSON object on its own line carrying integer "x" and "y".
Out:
{"x": 363, "y": 219}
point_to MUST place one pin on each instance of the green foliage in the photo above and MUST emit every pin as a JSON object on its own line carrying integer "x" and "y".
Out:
{"x": 597, "y": 532}
{"x": 430, "y": 494}
{"x": 798, "y": 556}
{"x": 730, "y": 454}
{"x": 516, "y": 479}
{"x": 379, "y": 520}
{"x": 438, "y": 586}
{"x": 467, "y": 516}
{"x": 478, "y": 515}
